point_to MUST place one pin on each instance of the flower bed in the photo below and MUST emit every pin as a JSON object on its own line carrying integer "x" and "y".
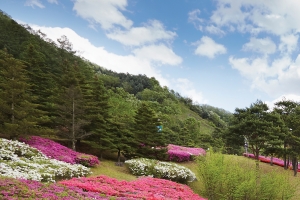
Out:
{"x": 158, "y": 169}
{"x": 19, "y": 160}
{"x": 28, "y": 189}
{"x": 180, "y": 154}
{"x": 266, "y": 159}
{"x": 59, "y": 152}
{"x": 142, "y": 188}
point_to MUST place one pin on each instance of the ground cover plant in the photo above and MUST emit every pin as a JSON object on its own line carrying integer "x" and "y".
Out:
{"x": 225, "y": 177}
{"x": 19, "y": 160}
{"x": 159, "y": 169}
{"x": 180, "y": 154}
{"x": 143, "y": 188}
{"x": 59, "y": 152}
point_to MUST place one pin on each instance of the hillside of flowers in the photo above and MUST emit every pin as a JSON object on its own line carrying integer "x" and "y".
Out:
{"x": 180, "y": 154}
{"x": 19, "y": 160}
{"x": 267, "y": 159}
{"x": 158, "y": 169}
{"x": 59, "y": 152}
{"x": 143, "y": 188}
{"x": 26, "y": 173}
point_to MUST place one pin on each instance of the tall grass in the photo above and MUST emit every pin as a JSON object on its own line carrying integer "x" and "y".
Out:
{"x": 225, "y": 177}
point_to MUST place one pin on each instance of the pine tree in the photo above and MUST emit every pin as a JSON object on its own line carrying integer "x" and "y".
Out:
{"x": 71, "y": 105}
{"x": 18, "y": 112}
{"x": 151, "y": 142}
{"x": 97, "y": 112}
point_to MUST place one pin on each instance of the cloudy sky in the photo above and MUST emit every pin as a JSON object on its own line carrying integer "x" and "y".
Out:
{"x": 225, "y": 53}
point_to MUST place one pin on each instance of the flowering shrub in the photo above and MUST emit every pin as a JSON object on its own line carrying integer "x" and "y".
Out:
{"x": 142, "y": 188}
{"x": 59, "y": 152}
{"x": 19, "y": 160}
{"x": 158, "y": 169}
{"x": 266, "y": 159}
{"x": 28, "y": 189}
{"x": 180, "y": 154}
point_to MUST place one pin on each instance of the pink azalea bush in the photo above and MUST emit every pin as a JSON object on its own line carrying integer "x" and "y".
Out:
{"x": 142, "y": 188}
{"x": 59, "y": 152}
{"x": 266, "y": 159}
{"x": 180, "y": 154}
{"x": 28, "y": 189}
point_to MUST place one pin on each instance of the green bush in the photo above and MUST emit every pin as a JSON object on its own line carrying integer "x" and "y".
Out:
{"x": 225, "y": 177}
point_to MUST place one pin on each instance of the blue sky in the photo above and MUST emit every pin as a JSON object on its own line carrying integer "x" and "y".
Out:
{"x": 225, "y": 53}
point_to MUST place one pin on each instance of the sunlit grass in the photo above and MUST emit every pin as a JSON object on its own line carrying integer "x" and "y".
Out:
{"x": 109, "y": 168}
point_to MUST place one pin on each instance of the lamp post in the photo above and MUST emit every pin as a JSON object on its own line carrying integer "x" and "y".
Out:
{"x": 246, "y": 145}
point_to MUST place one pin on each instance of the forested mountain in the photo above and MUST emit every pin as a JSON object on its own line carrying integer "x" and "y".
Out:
{"x": 46, "y": 89}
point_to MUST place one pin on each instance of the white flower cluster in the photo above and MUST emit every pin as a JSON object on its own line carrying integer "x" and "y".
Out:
{"x": 158, "y": 169}
{"x": 19, "y": 160}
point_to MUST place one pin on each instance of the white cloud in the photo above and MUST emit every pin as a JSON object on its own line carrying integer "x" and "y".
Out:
{"x": 193, "y": 18}
{"x": 214, "y": 30}
{"x": 34, "y": 3}
{"x": 186, "y": 88}
{"x": 158, "y": 53}
{"x": 208, "y": 47}
{"x": 149, "y": 33}
{"x": 53, "y": 1}
{"x": 260, "y": 45}
{"x": 291, "y": 97}
{"x": 133, "y": 64}
{"x": 106, "y": 13}
{"x": 277, "y": 17}
{"x": 288, "y": 43}
{"x": 282, "y": 76}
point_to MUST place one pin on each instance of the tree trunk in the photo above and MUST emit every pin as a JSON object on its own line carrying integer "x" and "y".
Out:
{"x": 295, "y": 165}
{"x": 73, "y": 126}
{"x": 271, "y": 163}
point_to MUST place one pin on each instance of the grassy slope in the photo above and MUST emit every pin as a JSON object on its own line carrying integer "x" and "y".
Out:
{"x": 108, "y": 168}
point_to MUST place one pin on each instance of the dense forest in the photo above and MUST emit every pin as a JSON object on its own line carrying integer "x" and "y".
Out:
{"x": 47, "y": 89}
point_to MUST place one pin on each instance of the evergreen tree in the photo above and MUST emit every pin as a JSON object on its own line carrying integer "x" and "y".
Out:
{"x": 71, "y": 105}
{"x": 19, "y": 115}
{"x": 42, "y": 83}
{"x": 97, "y": 113}
{"x": 151, "y": 142}
{"x": 257, "y": 125}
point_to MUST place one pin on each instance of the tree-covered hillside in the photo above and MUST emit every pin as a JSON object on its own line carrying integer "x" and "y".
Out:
{"x": 46, "y": 89}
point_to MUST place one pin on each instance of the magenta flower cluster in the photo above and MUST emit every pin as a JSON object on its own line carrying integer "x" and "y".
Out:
{"x": 180, "y": 154}
{"x": 28, "y": 189}
{"x": 57, "y": 151}
{"x": 266, "y": 159}
{"x": 142, "y": 188}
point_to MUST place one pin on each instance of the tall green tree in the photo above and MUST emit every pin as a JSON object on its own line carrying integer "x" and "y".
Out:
{"x": 43, "y": 85}
{"x": 290, "y": 148}
{"x": 97, "y": 113}
{"x": 123, "y": 109}
{"x": 257, "y": 125}
{"x": 18, "y": 112}
{"x": 151, "y": 142}
{"x": 71, "y": 105}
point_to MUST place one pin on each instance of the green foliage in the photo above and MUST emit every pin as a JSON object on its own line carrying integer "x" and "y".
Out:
{"x": 146, "y": 133}
{"x": 224, "y": 177}
{"x": 260, "y": 127}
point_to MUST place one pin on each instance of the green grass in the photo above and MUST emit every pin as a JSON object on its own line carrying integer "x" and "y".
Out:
{"x": 108, "y": 168}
